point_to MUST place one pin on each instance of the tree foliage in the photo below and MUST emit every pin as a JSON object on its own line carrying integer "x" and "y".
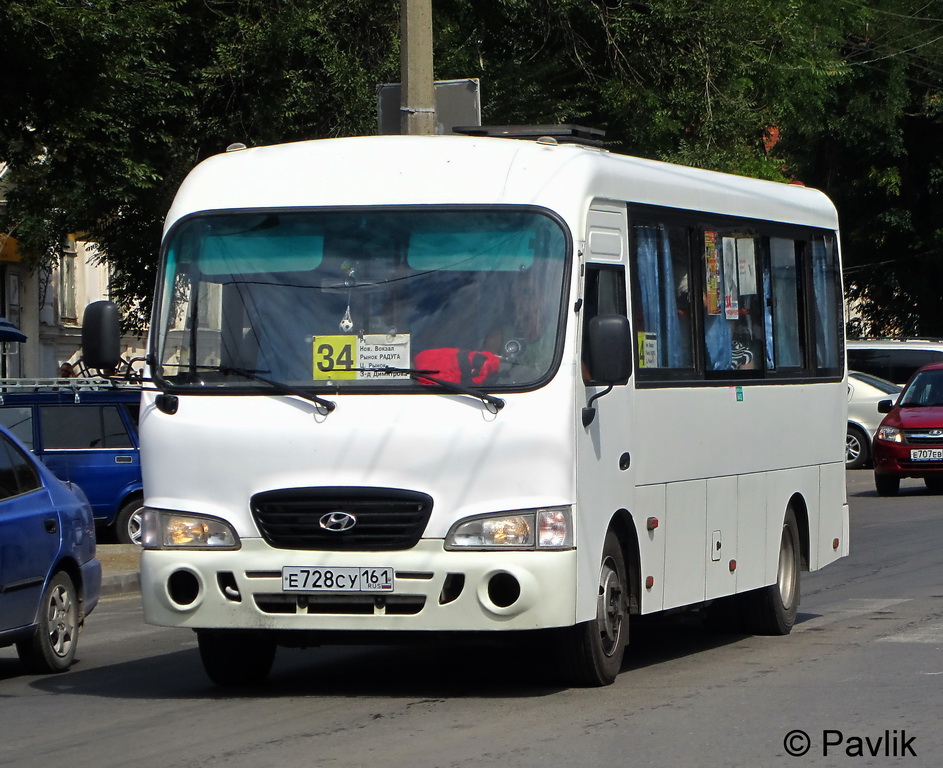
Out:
{"x": 879, "y": 153}
{"x": 115, "y": 100}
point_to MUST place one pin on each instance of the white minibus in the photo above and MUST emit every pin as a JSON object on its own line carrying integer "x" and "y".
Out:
{"x": 404, "y": 387}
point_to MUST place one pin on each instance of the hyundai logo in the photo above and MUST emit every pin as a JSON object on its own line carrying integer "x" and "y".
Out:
{"x": 936, "y": 432}
{"x": 337, "y": 522}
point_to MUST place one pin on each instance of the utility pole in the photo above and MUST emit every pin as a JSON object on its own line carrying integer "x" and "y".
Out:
{"x": 417, "y": 110}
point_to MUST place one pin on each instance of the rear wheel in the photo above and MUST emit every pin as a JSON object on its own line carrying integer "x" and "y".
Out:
{"x": 53, "y": 643}
{"x": 128, "y": 522}
{"x": 591, "y": 653}
{"x": 235, "y": 657}
{"x": 886, "y": 485}
{"x": 857, "y": 449}
{"x": 772, "y": 610}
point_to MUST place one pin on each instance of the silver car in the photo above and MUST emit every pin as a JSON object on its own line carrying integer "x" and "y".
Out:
{"x": 864, "y": 393}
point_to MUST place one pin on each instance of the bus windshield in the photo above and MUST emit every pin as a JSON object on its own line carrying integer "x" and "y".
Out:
{"x": 338, "y": 300}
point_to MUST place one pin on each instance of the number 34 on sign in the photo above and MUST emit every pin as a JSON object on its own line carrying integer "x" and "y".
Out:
{"x": 350, "y": 356}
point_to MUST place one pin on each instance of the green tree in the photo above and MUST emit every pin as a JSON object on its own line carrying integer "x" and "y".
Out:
{"x": 690, "y": 81}
{"x": 879, "y": 154}
{"x": 113, "y": 102}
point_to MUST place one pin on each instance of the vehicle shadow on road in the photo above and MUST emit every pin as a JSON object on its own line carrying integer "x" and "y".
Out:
{"x": 461, "y": 669}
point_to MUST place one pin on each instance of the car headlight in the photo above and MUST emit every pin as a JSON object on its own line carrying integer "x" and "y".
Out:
{"x": 543, "y": 528}
{"x": 891, "y": 434}
{"x": 162, "y": 529}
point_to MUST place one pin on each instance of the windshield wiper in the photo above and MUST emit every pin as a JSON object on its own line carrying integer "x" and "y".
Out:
{"x": 277, "y": 386}
{"x": 451, "y": 386}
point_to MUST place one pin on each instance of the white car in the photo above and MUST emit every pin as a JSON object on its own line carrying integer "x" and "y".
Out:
{"x": 864, "y": 393}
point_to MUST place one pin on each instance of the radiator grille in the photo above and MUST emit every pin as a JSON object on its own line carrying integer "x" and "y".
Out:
{"x": 377, "y": 519}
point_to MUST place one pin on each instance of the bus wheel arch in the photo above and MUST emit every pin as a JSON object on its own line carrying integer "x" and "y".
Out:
{"x": 623, "y": 525}
{"x": 590, "y": 653}
{"x": 772, "y": 610}
{"x": 801, "y": 512}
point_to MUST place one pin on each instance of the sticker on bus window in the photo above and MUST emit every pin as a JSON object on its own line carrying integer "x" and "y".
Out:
{"x": 711, "y": 273}
{"x": 349, "y": 357}
{"x": 647, "y": 350}
{"x": 728, "y": 252}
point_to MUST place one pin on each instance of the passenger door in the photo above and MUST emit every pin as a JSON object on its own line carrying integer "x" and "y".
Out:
{"x": 30, "y": 536}
{"x": 605, "y": 474}
{"x": 94, "y": 447}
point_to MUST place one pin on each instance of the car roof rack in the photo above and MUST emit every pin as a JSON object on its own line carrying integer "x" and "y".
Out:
{"x": 565, "y": 133}
{"x": 76, "y": 385}
{"x": 85, "y": 382}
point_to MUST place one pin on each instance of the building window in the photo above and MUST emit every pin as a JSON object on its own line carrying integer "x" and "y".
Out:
{"x": 67, "y": 287}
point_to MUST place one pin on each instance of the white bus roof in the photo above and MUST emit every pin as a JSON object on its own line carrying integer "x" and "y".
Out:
{"x": 428, "y": 170}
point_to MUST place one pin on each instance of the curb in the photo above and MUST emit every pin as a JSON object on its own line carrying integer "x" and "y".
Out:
{"x": 123, "y": 583}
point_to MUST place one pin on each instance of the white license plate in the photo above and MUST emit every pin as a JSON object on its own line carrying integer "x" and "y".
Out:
{"x": 926, "y": 454}
{"x": 343, "y": 579}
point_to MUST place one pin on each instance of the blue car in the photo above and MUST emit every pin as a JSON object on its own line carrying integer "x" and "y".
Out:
{"x": 50, "y": 579}
{"x": 86, "y": 435}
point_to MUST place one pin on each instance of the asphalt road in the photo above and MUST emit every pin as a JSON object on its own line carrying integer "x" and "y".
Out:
{"x": 860, "y": 677}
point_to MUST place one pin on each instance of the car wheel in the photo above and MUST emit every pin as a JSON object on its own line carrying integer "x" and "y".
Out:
{"x": 52, "y": 645}
{"x": 236, "y": 658}
{"x": 128, "y": 522}
{"x": 887, "y": 485}
{"x": 934, "y": 484}
{"x": 857, "y": 448}
{"x": 591, "y": 653}
{"x": 772, "y": 610}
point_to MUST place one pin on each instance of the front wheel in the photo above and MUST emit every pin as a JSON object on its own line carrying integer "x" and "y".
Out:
{"x": 886, "y": 485}
{"x": 51, "y": 648}
{"x": 772, "y": 610}
{"x": 934, "y": 484}
{"x": 235, "y": 657}
{"x": 591, "y": 653}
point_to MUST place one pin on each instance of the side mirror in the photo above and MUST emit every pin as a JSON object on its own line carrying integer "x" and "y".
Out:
{"x": 610, "y": 349}
{"x": 101, "y": 335}
{"x": 885, "y": 406}
{"x": 609, "y": 358}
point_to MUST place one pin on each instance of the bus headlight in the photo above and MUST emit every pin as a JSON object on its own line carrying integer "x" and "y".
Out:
{"x": 891, "y": 434}
{"x": 162, "y": 529}
{"x": 544, "y": 528}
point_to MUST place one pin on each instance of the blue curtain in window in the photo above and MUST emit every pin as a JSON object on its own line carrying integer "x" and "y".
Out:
{"x": 768, "y": 320}
{"x": 655, "y": 275}
{"x": 826, "y": 309}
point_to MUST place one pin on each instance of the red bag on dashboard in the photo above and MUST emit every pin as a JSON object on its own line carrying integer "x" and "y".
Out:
{"x": 460, "y": 366}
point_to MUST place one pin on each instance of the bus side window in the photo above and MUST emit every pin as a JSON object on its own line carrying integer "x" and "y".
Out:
{"x": 604, "y": 294}
{"x": 828, "y": 317}
{"x": 661, "y": 297}
{"x": 733, "y": 302}
{"x": 784, "y": 320}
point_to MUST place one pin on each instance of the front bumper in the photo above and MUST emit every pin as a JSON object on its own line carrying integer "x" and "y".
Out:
{"x": 435, "y": 590}
{"x": 894, "y": 459}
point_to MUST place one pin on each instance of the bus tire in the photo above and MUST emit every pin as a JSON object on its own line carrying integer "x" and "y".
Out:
{"x": 236, "y": 657}
{"x": 772, "y": 610}
{"x": 591, "y": 653}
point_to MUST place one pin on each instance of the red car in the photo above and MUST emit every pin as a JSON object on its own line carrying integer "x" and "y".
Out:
{"x": 909, "y": 441}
